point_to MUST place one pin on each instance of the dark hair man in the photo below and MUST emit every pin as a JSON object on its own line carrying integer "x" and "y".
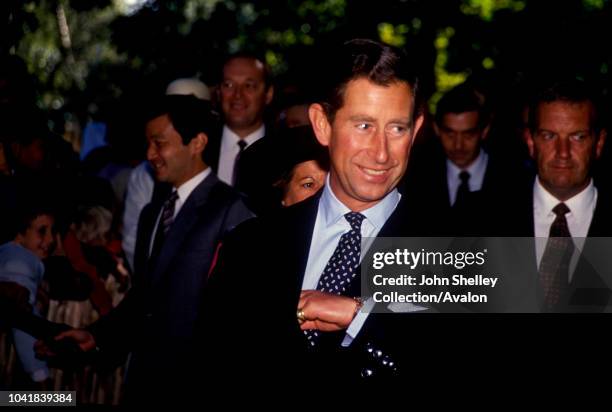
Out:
{"x": 367, "y": 119}
{"x": 176, "y": 243}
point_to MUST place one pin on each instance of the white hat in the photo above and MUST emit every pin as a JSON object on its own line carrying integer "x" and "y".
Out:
{"x": 189, "y": 86}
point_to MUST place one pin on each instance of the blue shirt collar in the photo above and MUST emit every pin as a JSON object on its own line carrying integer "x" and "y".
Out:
{"x": 334, "y": 210}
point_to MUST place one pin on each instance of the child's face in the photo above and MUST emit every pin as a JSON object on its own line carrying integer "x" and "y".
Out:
{"x": 38, "y": 237}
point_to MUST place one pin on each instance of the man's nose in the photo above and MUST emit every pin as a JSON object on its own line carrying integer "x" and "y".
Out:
{"x": 238, "y": 91}
{"x": 381, "y": 147}
{"x": 458, "y": 143}
{"x": 563, "y": 147}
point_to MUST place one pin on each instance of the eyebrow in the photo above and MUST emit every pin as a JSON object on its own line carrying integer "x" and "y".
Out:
{"x": 365, "y": 118}
{"x": 588, "y": 131}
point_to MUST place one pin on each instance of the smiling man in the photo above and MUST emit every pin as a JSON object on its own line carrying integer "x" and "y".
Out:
{"x": 175, "y": 247}
{"x": 244, "y": 93}
{"x": 302, "y": 264}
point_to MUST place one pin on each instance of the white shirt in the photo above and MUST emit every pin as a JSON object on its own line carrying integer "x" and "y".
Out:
{"x": 477, "y": 171}
{"x": 581, "y": 206}
{"x": 184, "y": 191}
{"x": 230, "y": 149}
{"x": 330, "y": 225}
{"x": 138, "y": 195}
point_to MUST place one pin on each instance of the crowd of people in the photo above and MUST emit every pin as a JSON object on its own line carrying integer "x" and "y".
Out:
{"x": 231, "y": 249}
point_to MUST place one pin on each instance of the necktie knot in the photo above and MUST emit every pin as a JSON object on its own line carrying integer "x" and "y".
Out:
{"x": 561, "y": 210}
{"x": 464, "y": 177}
{"x": 242, "y": 145}
{"x": 355, "y": 219}
{"x": 171, "y": 199}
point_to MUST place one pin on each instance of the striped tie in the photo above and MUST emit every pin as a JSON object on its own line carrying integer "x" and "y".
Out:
{"x": 165, "y": 221}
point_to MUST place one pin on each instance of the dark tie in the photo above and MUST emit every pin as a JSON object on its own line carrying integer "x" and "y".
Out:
{"x": 241, "y": 145}
{"x": 165, "y": 221}
{"x": 554, "y": 266}
{"x": 464, "y": 188}
{"x": 341, "y": 269}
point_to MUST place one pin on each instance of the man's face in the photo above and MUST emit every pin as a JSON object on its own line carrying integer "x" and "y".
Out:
{"x": 564, "y": 146}
{"x": 460, "y": 135}
{"x": 369, "y": 141}
{"x": 172, "y": 161}
{"x": 244, "y": 95}
{"x": 38, "y": 237}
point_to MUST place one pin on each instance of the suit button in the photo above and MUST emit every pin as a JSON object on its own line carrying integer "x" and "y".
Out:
{"x": 366, "y": 373}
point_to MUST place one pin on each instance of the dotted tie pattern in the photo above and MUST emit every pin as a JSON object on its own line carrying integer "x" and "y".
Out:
{"x": 341, "y": 268}
{"x": 554, "y": 266}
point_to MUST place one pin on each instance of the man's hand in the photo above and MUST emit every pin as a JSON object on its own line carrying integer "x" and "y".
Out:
{"x": 80, "y": 337}
{"x": 326, "y": 312}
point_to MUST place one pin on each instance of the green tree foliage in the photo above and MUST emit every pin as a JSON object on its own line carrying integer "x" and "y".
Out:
{"x": 115, "y": 45}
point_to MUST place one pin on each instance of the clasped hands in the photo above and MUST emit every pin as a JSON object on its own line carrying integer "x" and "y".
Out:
{"x": 325, "y": 311}
{"x": 82, "y": 338}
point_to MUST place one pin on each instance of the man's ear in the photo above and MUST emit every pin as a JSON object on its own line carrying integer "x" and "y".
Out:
{"x": 199, "y": 142}
{"x": 269, "y": 95}
{"x": 485, "y": 132}
{"x": 530, "y": 143}
{"x": 320, "y": 124}
{"x": 418, "y": 124}
{"x": 600, "y": 143}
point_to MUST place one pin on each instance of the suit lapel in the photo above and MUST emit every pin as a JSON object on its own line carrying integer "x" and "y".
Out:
{"x": 146, "y": 225}
{"x": 601, "y": 224}
{"x": 300, "y": 235}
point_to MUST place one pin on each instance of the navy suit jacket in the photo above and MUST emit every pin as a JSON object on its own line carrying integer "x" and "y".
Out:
{"x": 510, "y": 214}
{"x": 255, "y": 289}
{"x": 156, "y": 319}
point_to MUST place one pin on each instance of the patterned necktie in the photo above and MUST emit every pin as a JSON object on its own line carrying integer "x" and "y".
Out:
{"x": 341, "y": 269}
{"x": 241, "y": 145}
{"x": 464, "y": 188}
{"x": 165, "y": 221}
{"x": 554, "y": 266}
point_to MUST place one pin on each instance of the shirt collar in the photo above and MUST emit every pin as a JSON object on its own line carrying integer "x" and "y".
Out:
{"x": 544, "y": 201}
{"x": 186, "y": 188}
{"x": 232, "y": 138}
{"x": 477, "y": 168}
{"x": 334, "y": 210}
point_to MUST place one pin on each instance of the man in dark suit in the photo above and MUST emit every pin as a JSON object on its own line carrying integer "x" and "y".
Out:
{"x": 176, "y": 244}
{"x": 458, "y": 163}
{"x": 240, "y": 153}
{"x": 562, "y": 208}
{"x": 279, "y": 305}
{"x": 565, "y": 139}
